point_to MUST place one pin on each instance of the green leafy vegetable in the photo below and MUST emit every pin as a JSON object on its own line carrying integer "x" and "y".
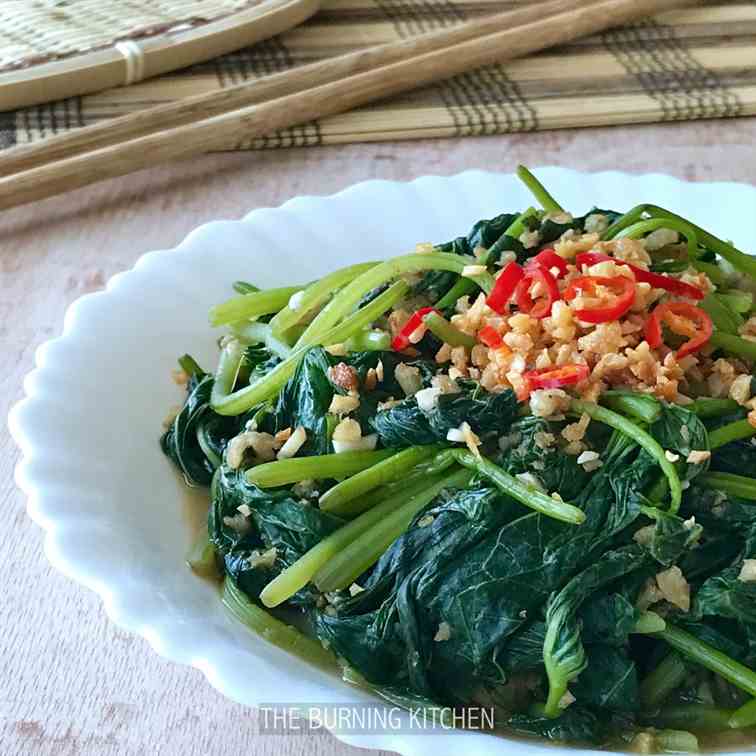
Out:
{"x": 197, "y": 436}
{"x": 406, "y": 424}
{"x": 304, "y": 402}
{"x": 272, "y": 629}
{"x": 563, "y": 652}
{"x": 472, "y": 552}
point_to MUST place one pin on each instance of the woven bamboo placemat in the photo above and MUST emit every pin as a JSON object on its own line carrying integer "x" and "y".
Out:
{"x": 686, "y": 64}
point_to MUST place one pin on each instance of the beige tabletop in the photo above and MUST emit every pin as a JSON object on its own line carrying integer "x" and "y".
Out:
{"x": 71, "y": 682}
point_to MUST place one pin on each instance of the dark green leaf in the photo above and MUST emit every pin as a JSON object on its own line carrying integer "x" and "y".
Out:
{"x": 607, "y": 619}
{"x": 406, "y": 424}
{"x": 524, "y": 649}
{"x": 555, "y": 469}
{"x": 575, "y": 725}
{"x": 610, "y": 680}
{"x": 304, "y": 401}
{"x": 723, "y": 595}
{"x": 563, "y": 650}
{"x": 181, "y": 443}
{"x": 672, "y": 537}
{"x": 484, "y": 233}
{"x": 257, "y": 362}
{"x": 277, "y": 521}
{"x": 681, "y": 431}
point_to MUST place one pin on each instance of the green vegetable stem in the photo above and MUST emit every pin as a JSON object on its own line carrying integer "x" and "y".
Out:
{"x": 662, "y": 680}
{"x": 295, "y": 577}
{"x": 701, "y": 653}
{"x": 641, "y": 437}
{"x": 226, "y": 403}
{"x": 293, "y": 470}
{"x": 735, "y": 431}
{"x": 538, "y": 190}
{"x": 440, "y": 327}
{"x": 734, "y": 485}
{"x": 273, "y": 630}
{"x": 366, "y": 549}
{"x": 528, "y": 495}
{"x": 247, "y": 306}
{"x": 336, "y": 499}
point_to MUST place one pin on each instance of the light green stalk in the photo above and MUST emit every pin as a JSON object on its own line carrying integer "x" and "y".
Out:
{"x": 315, "y": 296}
{"x": 734, "y": 485}
{"x": 446, "y": 332}
{"x": 701, "y": 653}
{"x": 725, "y": 434}
{"x": 538, "y": 190}
{"x": 530, "y": 496}
{"x": 365, "y": 550}
{"x": 285, "y": 471}
{"x": 273, "y": 630}
{"x": 225, "y": 403}
{"x": 348, "y": 298}
{"x": 641, "y": 437}
{"x": 734, "y": 345}
{"x": 298, "y": 575}
{"x": 247, "y": 306}
{"x": 336, "y": 499}
{"x": 641, "y": 228}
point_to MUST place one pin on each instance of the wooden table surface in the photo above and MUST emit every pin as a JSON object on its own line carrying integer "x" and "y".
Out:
{"x": 72, "y": 683}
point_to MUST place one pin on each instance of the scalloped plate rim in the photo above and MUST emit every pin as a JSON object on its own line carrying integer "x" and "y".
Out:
{"x": 158, "y": 635}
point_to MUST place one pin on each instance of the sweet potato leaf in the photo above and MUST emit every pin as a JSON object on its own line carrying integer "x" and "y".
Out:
{"x": 680, "y": 431}
{"x": 523, "y": 651}
{"x": 482, "y": 569}
{"x": 387, "y": 630}
{"x": 563, "y": 651}
{"x": 577, "y": 724}
{"x": 277, "y": 520}
{"x": 406, "y": 424}
{"x": 607, "y": 619}
{"x": 304, "y": 402}
{"x": 672, "y": 538}
{"x": 723, "y": 595}
{"x": 196, "y": 437}
{"x": 556, "y": 470}
{"x": 484, "y": 233}
{"x": 609, "y": 681}
{"x": 257, "y": 362}
{"x": 551, "y": 230}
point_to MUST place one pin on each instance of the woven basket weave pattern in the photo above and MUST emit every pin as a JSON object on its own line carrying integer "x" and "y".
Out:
{"x": 686, "y": 64}
{"x": 35, "y": 30}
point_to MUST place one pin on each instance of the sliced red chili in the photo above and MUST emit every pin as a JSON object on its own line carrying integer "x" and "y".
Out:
{"x": 593, "y": 258}
{"x": 541, "y": 307}
{"x": 622, "y": 287}
{"x": 504, "y": 287}
{"x": 549, "y": 259}
{"x": 657, "y": 280}
{"x": 402, "y": 339}
{"x": 548, "y": 378}
{"x": 489, "y": 336}
{"x": 683, "y": 319}
{"x": 672, "y": 285}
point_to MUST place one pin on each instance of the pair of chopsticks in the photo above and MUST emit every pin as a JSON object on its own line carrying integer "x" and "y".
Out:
{"x": 205, "y": 122}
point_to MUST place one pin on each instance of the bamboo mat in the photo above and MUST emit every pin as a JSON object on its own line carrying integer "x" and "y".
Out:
{"x": 687, "y": 64}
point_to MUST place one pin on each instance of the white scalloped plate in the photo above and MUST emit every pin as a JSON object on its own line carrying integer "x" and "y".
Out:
{"x": 113, "y": 509}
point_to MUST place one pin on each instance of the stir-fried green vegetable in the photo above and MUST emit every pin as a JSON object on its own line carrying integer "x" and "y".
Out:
{"x": 554, "y": 540}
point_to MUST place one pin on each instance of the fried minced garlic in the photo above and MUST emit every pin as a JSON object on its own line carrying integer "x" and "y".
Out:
{"x": 615, "y": 352}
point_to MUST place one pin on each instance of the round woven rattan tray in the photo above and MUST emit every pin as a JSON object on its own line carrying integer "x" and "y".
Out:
{"x": 51, "y": 49}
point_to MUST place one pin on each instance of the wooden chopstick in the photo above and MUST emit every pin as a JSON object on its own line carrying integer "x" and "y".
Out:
{"x": 197, "y": 107}
{"x": 335, "y": 86}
